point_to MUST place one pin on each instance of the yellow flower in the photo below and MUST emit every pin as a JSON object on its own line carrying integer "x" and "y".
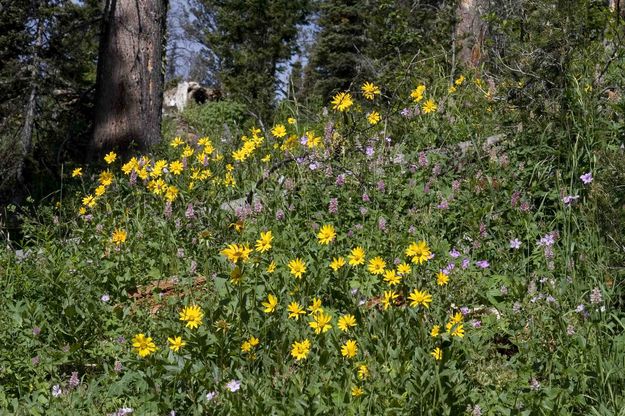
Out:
{"x": 176, "y": 167}
{"x": 77, "y": 172}
{"x": 237, "y": 252}
{"x": 456, "y": 318}
{"x": 82, "y": 211}
{"x": 192, "y": 315}
{"x": 143, "y": 345}
{"x": 369, "y": 90}
{"x": 373, "y": 118}
{"x": 459, "y": 80}
{"x": 291, "y": 120}
{"x": 119, "y": 236}
{"x": 357, "y": 391}
{"x": 337, "y": 263}
{"x": 321, "y": 322}
{"x": 235, "y": 276}
{"x": 429, "y": 106}
{"x": 253, "y": 341}
{"x": 272, "y": 267}
{"x": 246, "y": 346}
{"x": 266, "y": 159}
{"x": 100, "y": 190}
{"x": 417, "y": 93}
{"x": 279, "y": 131}
{"x": 357, "y": 256}
{"x": 376, "y": 265}
{"x": 177, "y": 141}
{"x": 106, "y": 178}
{"x": 363, "y": 372}
{"x": 451, "y": 89}
{"x": 389, "y": 298}
{"x": 132, "y": 164}
{"x": 437, "y": 354}
{"x": 403, "y": 269}
{"x": 346, "y": 322}
{"x": 171, "y": 193}
{"x": 295, "y": 310}
{"x": 110, "y": 158}
{"x": 326, "y": 234}
{"x": 271, "y": 304}
{"x": 297, "y": 267}
{"x": 188, "y": 151}
{"x": 442, "y": 279}
{"x": 89, "y": 201}
{"x": 176, "y": 343}
{"x": 455, "y": 330}
{"x": 420, "y": 298}
{"x": 300, "y": 350}
{"x": 342, "y": 101}
{"x": 349, "y": 349}
{"x": 315, "y": 306}
{"x": 436, "y": 329}
{"x": 157, "y": 169}
{"x": 391, "y": 277}
{"x": 420, "y": 252}
{"x": 264, "y": 243}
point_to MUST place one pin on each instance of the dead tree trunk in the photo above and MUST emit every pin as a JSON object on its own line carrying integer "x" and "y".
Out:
{"x": 129, "y": 85}
{"x": 470, "y": 31}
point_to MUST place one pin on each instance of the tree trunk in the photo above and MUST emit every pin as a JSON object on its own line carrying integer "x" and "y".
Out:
{"x": 129, "y": 85}
{"x": 470, "y": 31}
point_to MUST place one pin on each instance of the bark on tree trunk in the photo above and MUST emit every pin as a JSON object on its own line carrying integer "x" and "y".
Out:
{"x": 129, "y": 85}
{"x": 470, "y": 31}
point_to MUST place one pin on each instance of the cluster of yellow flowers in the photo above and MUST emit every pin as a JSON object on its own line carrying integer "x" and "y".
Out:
{"x": 321, "y": 321}
{"x": 191, "y": 314}
{"x": 250, "y": 144}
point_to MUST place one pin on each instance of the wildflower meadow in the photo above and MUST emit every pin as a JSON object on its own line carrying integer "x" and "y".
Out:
{"x": 415, "y": 250}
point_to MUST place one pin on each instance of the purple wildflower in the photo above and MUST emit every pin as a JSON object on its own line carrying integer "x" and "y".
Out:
{"x": 369, "y": 151}
{"x": 74, "y": 381}
{"x": 423, "y": 159}
{"x": 595, "y": 296}
{"x": 586, "y": 178}
{"x": 569, "y": 199}
{"x": 515, "y": 244}
{"x": 333, "y": 206}
{"x": 190, "y": 212}
{"x": 381, "y": 186}
{"x": 56, "y": 390}
{"x": 105, "y": 298}
{"x": 36, "y": 331}
{"x": 365, "y": 198}
{"x": 233, "y": 385}
{"x": 340, "y": 180}
{"x": 279, "y": 215}
{"x": 454, "y": 253}
{"x": 465, "y": 263}
{"x": 211, "y": 395}
{"x": 168, "y": 210}
{"x": 483, "y": 264}
{"x": 382, "y": 224}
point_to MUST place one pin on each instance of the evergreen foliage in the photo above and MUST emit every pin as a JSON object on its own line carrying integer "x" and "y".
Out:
{"x": 248, "y": 44}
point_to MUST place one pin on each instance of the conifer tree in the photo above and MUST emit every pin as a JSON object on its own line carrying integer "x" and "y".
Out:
{"x": 248, "y": 43}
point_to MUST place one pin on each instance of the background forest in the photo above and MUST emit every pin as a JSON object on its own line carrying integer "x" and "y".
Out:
{"x": 383, "y": 207}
